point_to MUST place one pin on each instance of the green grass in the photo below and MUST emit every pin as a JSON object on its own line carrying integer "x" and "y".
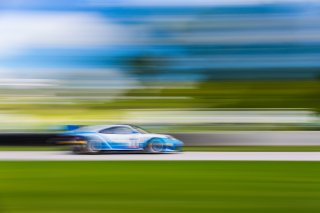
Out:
{"x": 229, "y": 94}
{"x": 140, "y": 187}
{"x": 267, "y": 94}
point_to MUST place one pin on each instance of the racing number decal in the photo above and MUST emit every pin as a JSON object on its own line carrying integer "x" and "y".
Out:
{"x": 134, "y": 143}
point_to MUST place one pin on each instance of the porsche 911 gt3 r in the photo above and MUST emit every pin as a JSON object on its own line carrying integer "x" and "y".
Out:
{"x": 99, "y": 138}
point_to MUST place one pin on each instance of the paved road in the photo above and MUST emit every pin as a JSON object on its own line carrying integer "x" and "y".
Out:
{"x": 214, "y": 156}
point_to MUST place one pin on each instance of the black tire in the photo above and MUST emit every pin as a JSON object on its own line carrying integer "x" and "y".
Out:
{"x": 78, "y": 149}
{"x": 155, "y": 145}
{"x": 85, "y": 149}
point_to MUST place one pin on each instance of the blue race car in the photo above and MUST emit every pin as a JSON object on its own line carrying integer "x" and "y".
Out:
{"x": 100, "y": 138}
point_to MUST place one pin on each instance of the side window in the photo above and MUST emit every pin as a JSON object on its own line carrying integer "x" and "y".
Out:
{"x": 117, "y": 130}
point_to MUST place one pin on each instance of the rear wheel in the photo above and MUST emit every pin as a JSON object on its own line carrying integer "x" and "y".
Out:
{"x": 155, "y": 146}
{"x": 78, "y": 149}
{"x": 88, "y": 148}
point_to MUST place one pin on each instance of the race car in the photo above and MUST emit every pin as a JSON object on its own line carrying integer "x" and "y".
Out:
{"x": 103, "y": 138}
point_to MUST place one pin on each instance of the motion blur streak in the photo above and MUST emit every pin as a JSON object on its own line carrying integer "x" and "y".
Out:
{"x": 219, "y": 62}
{"x": 235, "y": 76}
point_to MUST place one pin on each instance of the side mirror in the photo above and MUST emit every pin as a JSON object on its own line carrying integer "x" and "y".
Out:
{"x": 135, "y": 132}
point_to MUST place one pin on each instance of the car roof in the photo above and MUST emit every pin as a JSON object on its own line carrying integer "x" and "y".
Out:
{"x": 97, "y": 128}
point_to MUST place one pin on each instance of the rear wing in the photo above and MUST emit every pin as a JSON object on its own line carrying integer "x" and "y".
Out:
{"x": 66, "y": 128}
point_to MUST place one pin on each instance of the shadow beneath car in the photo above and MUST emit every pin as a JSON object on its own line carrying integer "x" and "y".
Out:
{"x": 126, "y": 152}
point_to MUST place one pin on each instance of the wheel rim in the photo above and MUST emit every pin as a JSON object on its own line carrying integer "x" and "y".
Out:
{"x": 156, "y": 146}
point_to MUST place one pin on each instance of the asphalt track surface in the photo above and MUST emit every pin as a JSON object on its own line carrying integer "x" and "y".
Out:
{"x": 198, "y": 156}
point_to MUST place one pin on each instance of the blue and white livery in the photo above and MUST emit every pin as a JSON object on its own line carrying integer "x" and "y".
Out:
{"x": 99, "y": 138}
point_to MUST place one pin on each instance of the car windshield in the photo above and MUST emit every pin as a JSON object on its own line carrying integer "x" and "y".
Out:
{"x": 140, "y": 130}
{"x": 90, "y": 128}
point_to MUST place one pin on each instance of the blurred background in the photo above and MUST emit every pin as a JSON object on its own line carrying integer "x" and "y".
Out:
{"x": 170, "y": 66}
{"x": 209, "y": 72}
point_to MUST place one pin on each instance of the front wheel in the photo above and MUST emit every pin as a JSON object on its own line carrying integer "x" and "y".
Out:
{"x": 155, "y": 146}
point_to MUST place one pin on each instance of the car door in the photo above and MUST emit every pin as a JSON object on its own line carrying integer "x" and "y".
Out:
{"x": 121, "y": 137}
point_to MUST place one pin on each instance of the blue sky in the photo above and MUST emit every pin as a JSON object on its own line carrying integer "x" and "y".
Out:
{"x": 94, "y": 34}
{"x": 62, "y": 39}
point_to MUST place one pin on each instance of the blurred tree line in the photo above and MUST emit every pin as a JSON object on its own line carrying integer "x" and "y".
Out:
{"x": 212, "y": 92}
